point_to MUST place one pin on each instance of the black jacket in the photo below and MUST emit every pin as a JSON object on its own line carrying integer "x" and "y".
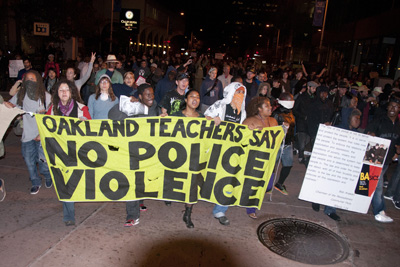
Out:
{"x": 383, "y": 127}
{"x": 300, "y": 111}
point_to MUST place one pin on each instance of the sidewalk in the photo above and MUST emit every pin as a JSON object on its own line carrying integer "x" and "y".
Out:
{"x": 32, "y": 232}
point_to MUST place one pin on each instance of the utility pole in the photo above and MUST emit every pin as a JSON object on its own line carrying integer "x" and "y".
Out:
{"x": 322, "y": 33}
{"x": 277, "y": 43}
{"x": 112, "y": 21}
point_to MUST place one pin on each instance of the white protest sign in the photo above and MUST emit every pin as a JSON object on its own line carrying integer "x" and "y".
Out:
{"x": 341, "y": 172}
{"x": 14, "y": 66}
{"x": 219, "y": 55}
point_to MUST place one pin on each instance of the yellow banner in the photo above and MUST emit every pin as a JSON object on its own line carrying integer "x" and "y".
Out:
{"x": 172, "y": 158}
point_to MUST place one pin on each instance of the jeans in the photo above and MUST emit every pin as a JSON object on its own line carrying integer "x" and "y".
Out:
{"x": 132, "y": 210}
{"x": 329, "y": 210}
{"x": 69, "y": 211}
{"x": 250, "y": 210}
{"x": 303, "y": 139}
{"x": 287, "y": 155}
{"x": 394, "y": 182}
{"x": 219, "y": 211}
{"x": 378, "y": 202}
{"x": 32, "y": 152}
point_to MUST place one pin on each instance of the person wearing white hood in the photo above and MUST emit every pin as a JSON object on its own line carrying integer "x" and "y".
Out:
{"x": 232, "y": 109}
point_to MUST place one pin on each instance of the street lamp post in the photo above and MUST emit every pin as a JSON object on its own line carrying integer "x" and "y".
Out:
{"x": 322, "y": 33}
{"x": 112, "y": 20}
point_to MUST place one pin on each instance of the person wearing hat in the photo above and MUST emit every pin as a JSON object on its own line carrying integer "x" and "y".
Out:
{"x": 211, "y": 89}
{"x": 155, "y": 75}
{"x": 172, "y": 100}
{"x": 376, "y": 92}
{"x": 343, "y": 88}
{"x": 364, "y": 105}
{"x": 232, "y": 109}
{"x": 110, "y": 71}
{"x": 250, "y": 84}
{"x": 385, "y": 126}
{"x": 321, "y": 112}
{"x": 103, "y": 99}
{"x": 300, "y": 112}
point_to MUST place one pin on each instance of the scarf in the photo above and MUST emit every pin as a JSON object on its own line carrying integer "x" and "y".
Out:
{"x": 66, "y": 110}
{"x": 237, "y": 101}
{"x": 31, "y": 88}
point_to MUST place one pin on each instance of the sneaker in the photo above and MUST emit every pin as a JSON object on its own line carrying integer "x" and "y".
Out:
{"x": 69, "y": 223}
{"x": 396, "y": 204}
{"x": 334, "y": 216}
{"x": 130, "y": 223}
{"x": 2, "y": 190}
{"x": 388, "y": 197}
{"x": 252, "y": 215}
{"x": 382, "y": 217}
{"x": 49, "y": 183}
{"x": 315, "y": 207}
{"x": 281, "y": 188}
{"x": 223, "y": 220}
{"x": 385, "y": 184}
{"x": 303, "y": 161}
{"x": 142, "y": 207}
{"x": 35, "y": 189}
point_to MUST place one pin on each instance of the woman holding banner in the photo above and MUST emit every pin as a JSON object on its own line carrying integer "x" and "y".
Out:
{"x": 259, "y": 116}
{"x": 191, "y": 105}
{"x": 67, "y": 102}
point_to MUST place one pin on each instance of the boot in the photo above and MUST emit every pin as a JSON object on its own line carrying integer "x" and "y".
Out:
{"x": 186, "y": 217}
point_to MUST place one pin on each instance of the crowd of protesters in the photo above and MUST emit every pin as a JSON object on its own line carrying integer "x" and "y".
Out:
{"x": 240, "y": 91}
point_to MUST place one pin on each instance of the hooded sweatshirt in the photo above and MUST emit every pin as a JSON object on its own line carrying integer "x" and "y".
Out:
{"x": 219, "y": 107}
{"x": 164, "y": 85}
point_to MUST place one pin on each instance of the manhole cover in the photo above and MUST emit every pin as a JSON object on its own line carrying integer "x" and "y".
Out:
{"x": 303, "y": 241}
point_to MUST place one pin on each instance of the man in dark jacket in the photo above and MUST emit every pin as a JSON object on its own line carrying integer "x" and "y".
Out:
{"x": 321, "y": 112}
{"x": 166, "y": 84}
{"x": 300, "y": 112}
{"x": 388, "y": 127}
